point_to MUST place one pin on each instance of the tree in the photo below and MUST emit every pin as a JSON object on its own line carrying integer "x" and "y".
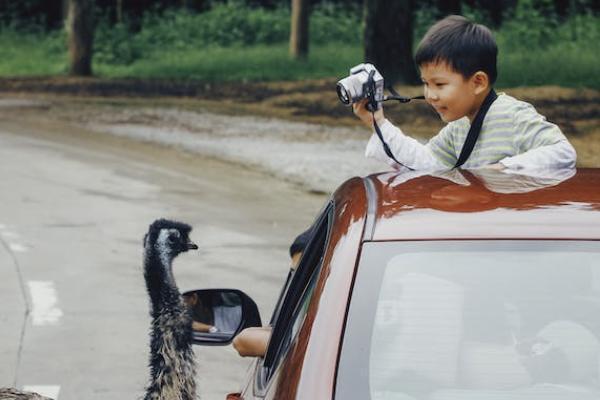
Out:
{"x": 80, "y": 27}
{"x": 388, "y": 39}
{"x": 448, "y": 7}
{"x": 299, "y": 29}
{"x": 119, "y": 11}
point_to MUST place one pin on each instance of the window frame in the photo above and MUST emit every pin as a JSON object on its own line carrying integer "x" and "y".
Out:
{"x": 293, "y": 295}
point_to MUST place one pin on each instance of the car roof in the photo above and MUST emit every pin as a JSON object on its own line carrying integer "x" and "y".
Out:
{"x": 483, "y": 204}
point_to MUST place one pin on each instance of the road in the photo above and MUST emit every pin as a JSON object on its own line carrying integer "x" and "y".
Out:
{"x": 74, "y": 207}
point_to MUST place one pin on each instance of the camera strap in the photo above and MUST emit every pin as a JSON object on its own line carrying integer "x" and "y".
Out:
{"x": 401, "y": 99}
{"x": 475, "y": 129}
{"x": 386, "y": 148}
{"x": 470, "y": 141}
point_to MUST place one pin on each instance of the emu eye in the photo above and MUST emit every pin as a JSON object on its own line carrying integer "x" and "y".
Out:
{"x": 172, "y": 238}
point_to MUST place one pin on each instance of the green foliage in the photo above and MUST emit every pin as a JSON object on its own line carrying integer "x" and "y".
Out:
{"x": 113, "y": 44}
{"x": 565, "y": 55}
{"x": 333, "y": 23}
{"x": 240, "y": 63}
{"x": 232, "y": 41}
{"x": 224, "y": 25}
{"x": 532, "y": 24}
{"x": 32, "y": 53}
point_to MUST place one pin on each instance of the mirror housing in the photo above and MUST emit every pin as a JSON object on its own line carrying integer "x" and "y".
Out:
{"x": 218, "y": 315}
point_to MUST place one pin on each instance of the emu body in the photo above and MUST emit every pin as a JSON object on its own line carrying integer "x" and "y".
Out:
{"x": 172, "y": 367}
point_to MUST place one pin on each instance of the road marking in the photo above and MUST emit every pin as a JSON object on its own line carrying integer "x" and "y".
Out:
{"x": 9, "y": 234}
{"x": 17, "y": 247}
{"x": 12, "y": 239}
{"x": 44, "y": 300}
{"x": 45, "y": 390}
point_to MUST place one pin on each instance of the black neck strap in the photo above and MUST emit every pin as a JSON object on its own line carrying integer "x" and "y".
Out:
{"x": 386, "y": 148}
{"x": 470, "y": 141}
{"x": 475, "y": 129}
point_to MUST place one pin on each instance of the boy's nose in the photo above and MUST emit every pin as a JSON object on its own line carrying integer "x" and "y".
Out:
{"x": 430, "y": 95}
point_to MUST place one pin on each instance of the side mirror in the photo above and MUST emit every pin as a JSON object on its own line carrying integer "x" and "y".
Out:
{"x": 218, "y": 315}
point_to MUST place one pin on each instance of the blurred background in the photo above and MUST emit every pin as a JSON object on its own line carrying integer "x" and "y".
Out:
{"x": 542, "y": 42}
{"x": 281, "y": 58}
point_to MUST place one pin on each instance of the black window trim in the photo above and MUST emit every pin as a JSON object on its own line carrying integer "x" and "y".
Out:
{"x": 303, "y": 276}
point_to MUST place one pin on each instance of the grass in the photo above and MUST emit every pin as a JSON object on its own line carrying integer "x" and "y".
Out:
{"x": 29, "y": 54}
{"x": 251, "y": 63}
{"x": 179, "y": 45}
{"x": 560, "y": 65}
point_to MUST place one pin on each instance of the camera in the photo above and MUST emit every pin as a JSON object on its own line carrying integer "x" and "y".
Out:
{"x": 363, "y": 82}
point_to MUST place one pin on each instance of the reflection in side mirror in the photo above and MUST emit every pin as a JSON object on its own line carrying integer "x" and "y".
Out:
{"x": 218, "y": 315}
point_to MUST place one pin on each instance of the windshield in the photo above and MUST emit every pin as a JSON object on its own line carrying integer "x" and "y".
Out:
{"x": 474, "y": 320}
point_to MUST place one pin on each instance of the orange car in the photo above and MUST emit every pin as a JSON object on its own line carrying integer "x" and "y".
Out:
{"x": 463, "y": 285}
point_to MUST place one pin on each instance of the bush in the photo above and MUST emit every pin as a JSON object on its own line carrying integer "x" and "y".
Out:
{"x": 224, "y": 25}
{"x": 26, "y": 53}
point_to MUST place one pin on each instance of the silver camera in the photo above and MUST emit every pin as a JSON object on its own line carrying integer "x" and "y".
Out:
{"x": 364, "y": 82}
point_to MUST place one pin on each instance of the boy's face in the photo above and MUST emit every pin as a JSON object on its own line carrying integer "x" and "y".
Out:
{"x": 449, "y": 93}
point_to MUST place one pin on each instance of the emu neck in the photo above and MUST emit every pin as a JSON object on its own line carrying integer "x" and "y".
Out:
{"x": 172, "y": 367}
{"x": 160, "y": 282}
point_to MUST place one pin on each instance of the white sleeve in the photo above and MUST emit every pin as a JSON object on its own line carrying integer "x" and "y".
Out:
{"x": 557, "y": 155}
{"x": 407, "y": 150}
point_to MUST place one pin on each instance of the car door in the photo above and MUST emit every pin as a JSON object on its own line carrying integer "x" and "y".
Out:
{"x": 290, "y": 312}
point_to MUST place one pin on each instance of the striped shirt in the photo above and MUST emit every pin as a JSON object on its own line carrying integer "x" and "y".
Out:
{"x": 513, "y": 133}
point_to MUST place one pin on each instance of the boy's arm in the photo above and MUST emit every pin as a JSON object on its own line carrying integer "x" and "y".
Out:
{"x": 407, "y": 150}
{"x": 541, "y": 144}
{"x": 557, "y": 155}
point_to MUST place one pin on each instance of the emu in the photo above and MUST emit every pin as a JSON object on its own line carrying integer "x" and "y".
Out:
{"x": 172, "y": 368}
{"x": 13, "y": 394}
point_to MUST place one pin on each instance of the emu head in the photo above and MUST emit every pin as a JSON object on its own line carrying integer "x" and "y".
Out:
{"x": 168, "y": 239}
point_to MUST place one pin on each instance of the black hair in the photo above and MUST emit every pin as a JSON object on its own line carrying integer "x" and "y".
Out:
{"x": 467, "y": 47}
{"x": 300, "y": 242}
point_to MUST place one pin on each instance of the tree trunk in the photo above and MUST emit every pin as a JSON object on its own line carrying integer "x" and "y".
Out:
{"x": 119, "y": 11}
{"x": 299, "y": 29}
{"x": 80, "y": 27}
{"x": 388, "y": 39}
{"x": 65, "y": 10}
{"x": 448, "y": 7}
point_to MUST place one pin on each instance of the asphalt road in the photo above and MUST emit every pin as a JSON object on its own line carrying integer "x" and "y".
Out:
{"x": 74, "y": 207}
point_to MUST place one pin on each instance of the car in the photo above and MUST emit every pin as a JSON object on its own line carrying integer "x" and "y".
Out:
{"x": 467, "y": 284}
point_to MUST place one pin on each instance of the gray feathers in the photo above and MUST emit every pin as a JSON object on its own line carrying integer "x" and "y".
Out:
{"x": 13, "y": 394}
{"x": 172, "y": 367}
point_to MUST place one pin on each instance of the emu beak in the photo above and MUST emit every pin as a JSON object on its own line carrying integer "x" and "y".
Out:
{"x": 191, "y": 245}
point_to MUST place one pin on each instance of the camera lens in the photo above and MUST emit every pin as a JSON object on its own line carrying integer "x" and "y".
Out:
{"x": 343, "y": 94}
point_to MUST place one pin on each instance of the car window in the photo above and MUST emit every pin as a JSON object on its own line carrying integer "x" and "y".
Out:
{"x": 474, "y": 320}
{"x": 290, "y": 313}
{"x": 282, "y": 294}
{"x": 299, "y": 314}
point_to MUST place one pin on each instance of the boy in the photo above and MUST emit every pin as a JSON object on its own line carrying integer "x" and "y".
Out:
{"x": 457, "y": 60}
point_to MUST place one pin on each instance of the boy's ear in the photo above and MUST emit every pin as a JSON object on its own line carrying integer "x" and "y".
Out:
{"x": 481, "y": 82}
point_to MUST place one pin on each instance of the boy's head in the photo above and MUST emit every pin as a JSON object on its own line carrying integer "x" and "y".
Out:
{"x": 464, "y": 46}
{"x": 457, "y": 59}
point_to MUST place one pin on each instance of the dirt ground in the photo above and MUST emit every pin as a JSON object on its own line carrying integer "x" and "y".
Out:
{"x": 577, "y": 111}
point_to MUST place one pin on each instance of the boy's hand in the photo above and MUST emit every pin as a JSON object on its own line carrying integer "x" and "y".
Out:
{"x": 360, "y": 110}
